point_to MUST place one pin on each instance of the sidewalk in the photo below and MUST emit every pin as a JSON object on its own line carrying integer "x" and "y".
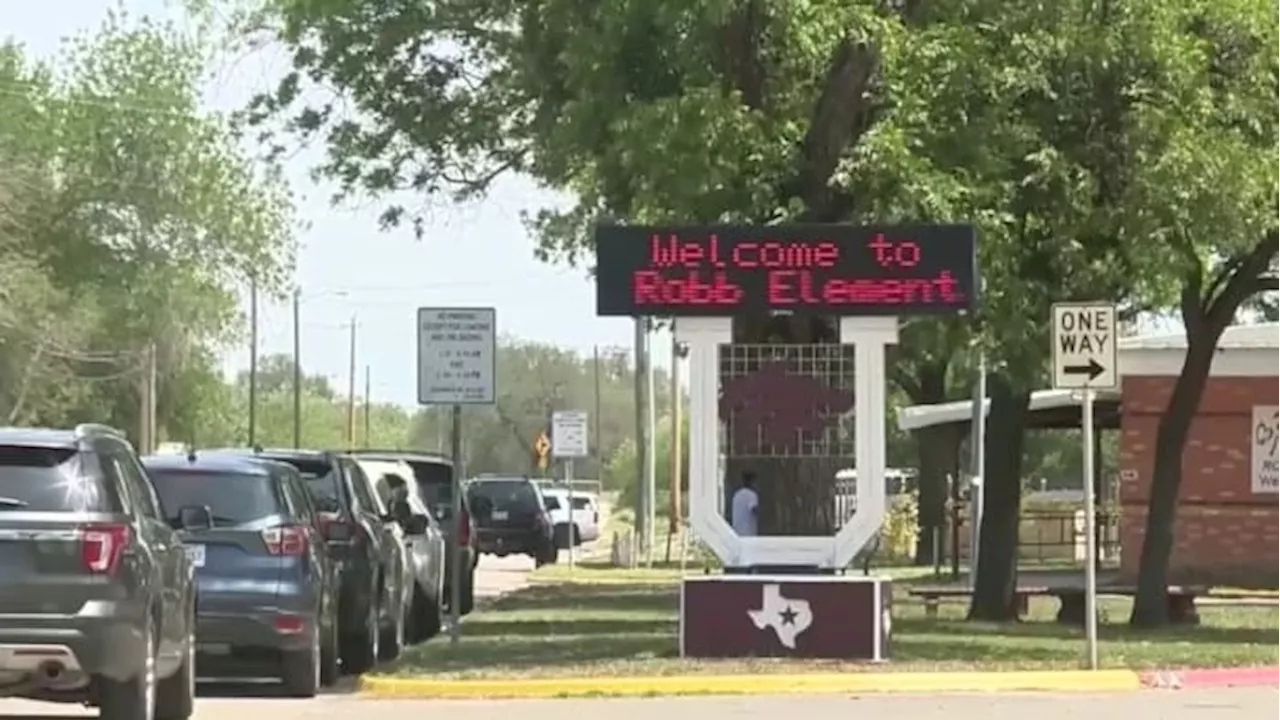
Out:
{"x": 386, "y": 686}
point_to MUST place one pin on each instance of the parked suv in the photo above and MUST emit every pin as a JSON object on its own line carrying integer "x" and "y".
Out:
{"x": 433, "y": 476}
{"x": 511, "y": 518}
{"x": 267, "y": 588}
{"x": 423, "y": 542}
{"x": 97, "y": 595}
{"x": 370, "y": 560}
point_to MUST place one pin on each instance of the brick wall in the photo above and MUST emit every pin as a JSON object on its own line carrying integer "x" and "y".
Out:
{"x": 1225, "y": 534}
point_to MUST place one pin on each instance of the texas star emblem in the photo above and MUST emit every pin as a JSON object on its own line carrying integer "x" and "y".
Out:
{"x": 788, "y": 617}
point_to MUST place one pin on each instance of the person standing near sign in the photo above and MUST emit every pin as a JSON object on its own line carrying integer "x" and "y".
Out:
{"x": 744, "y": 507}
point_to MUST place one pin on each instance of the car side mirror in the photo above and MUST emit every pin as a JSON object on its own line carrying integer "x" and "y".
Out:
{"x": 195, "y": 517}
{"x": 400, "y": 512}
{"x": 416, "y": 525}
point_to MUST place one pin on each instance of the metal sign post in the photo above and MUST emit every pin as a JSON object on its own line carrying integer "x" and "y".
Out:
{"x": 1085, "y": 359}
{"x": 569, "y": 441}
{"x": 457, "y": 365}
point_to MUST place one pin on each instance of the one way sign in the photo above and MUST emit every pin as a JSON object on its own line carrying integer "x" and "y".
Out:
{"x": 1084, "y": 346}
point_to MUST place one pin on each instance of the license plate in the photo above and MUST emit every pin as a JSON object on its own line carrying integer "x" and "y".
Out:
{"x": 213, "y": 648}
{"x": 196, "y": 554}
{"x": 500, "y": 515}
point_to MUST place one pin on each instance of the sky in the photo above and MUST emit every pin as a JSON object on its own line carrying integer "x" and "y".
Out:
{"x": 474, "y": 255}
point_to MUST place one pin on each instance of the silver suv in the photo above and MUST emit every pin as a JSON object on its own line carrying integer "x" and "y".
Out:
{"x": 97, "y": 596}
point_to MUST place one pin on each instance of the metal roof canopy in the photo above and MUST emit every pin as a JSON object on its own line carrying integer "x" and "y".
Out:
{"x": 1049, "y": 410}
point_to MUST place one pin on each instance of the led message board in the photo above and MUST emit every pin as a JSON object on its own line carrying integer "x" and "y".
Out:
{"x": 828, "y": 269}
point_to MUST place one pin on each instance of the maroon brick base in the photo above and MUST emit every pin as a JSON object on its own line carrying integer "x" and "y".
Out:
{"x": 815, "y": 616}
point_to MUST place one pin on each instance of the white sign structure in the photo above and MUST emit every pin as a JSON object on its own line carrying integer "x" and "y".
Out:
{"x": 569, "y": 434}
{"x": 1084, "y": 346}
{"x": 457, "y": 356}
{"x": 1264, "y": 433}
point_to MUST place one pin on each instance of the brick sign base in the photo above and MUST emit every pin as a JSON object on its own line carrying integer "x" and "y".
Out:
{"x": 818, "y": 616}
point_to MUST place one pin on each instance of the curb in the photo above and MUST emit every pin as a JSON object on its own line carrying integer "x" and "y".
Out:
{"x": 386, "y": 686}
{"x": 1212, "y": 678}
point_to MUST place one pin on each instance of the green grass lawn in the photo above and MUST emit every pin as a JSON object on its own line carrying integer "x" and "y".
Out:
{"x": 611, "y": 623}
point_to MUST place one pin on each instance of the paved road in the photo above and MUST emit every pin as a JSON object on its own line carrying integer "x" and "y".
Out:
{"x": 494, "y": 576}
{"x": 1237, "y": 704}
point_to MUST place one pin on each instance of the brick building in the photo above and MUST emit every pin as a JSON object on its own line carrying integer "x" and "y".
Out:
{"x": 1227, "y": 521}
{"x": 1226, "y": 531}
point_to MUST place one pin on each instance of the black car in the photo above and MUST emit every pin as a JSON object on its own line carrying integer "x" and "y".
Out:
{"x": 433, "y": 475}
{"x": 97, "y": 594}
{"x": 511, "y": 518}
{"x": 368, "y": 548}
{"x": 267, "y": 588}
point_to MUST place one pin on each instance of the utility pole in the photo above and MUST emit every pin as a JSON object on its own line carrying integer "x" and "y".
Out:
{"x": 152, "y": 399}
{"x": 676, "y": 509}
{"x": 253, "y": 361}
{"x": 977, "y": 465}
{"x": 368, "y": 404}
{"x": 351, "y": 389}
{"x": 297, "y": 370}
{"x": 595, "y": 355}
{"x": 642, "y": 455}
{"x": 650, "y": 450}
{"x": 147, "y": 402}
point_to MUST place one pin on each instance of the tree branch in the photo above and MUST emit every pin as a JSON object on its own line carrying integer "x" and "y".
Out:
{"x": 1250, "y": 271}
{"x": 840, "y": 117}
{"x": 743, "y": 63}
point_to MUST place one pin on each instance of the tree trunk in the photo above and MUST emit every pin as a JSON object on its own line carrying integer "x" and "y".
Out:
{"x": 997, "y": 567}
{"x": 938, "y": 448}
{"x": 1150, "y": 606}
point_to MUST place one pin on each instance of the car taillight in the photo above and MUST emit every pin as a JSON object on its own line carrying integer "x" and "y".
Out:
{"x": 286, "y": 540}
{"x": 101, "y": 546}
{"x": 464, "y": 528}
{"x": 289, "y": 623}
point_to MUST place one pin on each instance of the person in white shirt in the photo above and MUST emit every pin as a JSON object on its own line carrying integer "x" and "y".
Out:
{"x": 744, "y": 506}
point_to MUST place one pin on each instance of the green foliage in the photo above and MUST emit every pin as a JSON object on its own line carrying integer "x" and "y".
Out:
{"x": 534, "y": 380}
{"x": 623, "y": 464}
{"x": 900, "y": 529}
{"x": 127, "y": 219}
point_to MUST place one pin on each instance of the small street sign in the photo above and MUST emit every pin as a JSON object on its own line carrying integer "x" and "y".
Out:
{"x": 1084, "y": 346}
{"x": 569, "y": 434}
{"x": 541, "y": 447}
{"x": 457, "y": 356}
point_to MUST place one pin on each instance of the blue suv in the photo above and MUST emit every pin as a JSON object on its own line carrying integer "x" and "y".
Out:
{"x": 266, "y": 600}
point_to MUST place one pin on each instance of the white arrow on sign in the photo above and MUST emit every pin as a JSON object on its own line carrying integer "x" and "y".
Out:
{"x": 1084, "y": 346}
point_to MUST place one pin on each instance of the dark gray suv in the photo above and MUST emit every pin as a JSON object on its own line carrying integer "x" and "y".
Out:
{"x": 97, "y": 596}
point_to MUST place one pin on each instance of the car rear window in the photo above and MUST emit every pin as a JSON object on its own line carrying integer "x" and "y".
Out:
{"x": 232, "y": 499}
{"x": 321, "y": 480}
{"x": 435, "y": 484}
{"x": 506, "y": 494}
{"x": 43, "y": 479}
{"x": 581, "y": 503}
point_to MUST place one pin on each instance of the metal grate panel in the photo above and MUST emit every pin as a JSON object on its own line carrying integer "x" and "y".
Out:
{"x": 780, "y": 373}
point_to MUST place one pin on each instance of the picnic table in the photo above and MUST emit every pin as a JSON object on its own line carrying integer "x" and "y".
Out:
{"x": 1071, "y": 600}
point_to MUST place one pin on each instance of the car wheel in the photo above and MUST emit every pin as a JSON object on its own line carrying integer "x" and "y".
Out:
{"x": 135, "y": 698}
{"x": 467, "y": 600}
{"x": 424, "y": 618}
{"x": 329, "y": 670}
{"x": 300, "y": 670}
{"x": 176, "y": 695}
{"x": 392, "y": 640}
{"x": 361, "y": 651}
